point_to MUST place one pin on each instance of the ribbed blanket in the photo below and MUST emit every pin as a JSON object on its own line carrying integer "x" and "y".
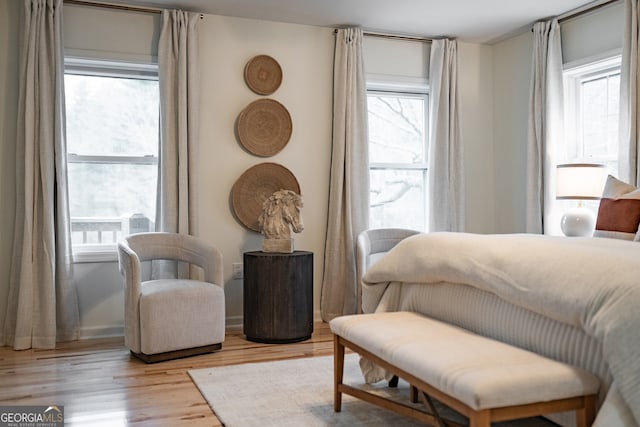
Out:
{"x": 590, "y": 283}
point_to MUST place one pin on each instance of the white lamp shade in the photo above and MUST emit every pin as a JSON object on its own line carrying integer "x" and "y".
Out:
{"x": 581, "y": 181}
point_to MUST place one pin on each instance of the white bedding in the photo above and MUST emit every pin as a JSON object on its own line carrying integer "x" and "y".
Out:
{"x": 590, "y": 284}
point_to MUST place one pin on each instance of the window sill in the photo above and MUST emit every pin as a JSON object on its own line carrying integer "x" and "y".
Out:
{"x": 98, "y": 253}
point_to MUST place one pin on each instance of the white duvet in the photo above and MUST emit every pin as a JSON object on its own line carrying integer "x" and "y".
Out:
{"x": 590, "y": 283}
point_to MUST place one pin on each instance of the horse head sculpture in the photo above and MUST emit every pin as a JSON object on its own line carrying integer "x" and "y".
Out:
{"x": 280, "y": 212}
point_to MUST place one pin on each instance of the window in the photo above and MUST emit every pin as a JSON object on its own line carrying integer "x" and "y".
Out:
{"x": 592, "y": 103}
{"x": 112, "y": 151}
{"x": 398, "y": 158}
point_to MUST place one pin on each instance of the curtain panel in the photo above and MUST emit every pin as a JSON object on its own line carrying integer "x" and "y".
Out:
{"x": 42, "y": 305}
{"x": 545, "y": 130}
{"x": 178, "y": 70}
{"x": 446, "y": 162}
{"x": 629, "y": 154}
{"x": 348, "y": 212}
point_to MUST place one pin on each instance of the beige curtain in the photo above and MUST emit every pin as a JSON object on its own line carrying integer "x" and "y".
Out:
{"x": 446, "y": 162}
{"x": 629, "y": 154}
{"x": 545, "y": 129}
{"x": 42, "y": 306}
{"x": 349, "y": 187}
{"x": 178, "y": 70}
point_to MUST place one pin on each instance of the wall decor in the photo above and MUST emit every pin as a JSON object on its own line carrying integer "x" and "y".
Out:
{"x": 263, "y": 74}
{"x": 255, "y": 186}
{"x": 264, "y": 127}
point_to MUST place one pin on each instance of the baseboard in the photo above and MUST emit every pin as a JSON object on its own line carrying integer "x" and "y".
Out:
{"x": 233, "y": 324}
{"x": 94, "y": 332}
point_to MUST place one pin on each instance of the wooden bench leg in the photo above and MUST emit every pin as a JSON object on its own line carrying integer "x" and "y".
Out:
{"x": 480, "y": 418}
{"x": 587, "y": 415}
{"x": 413, "y": 394}
{"x": 338, "y": 372}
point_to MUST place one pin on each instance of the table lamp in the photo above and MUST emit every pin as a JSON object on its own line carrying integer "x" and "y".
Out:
{"x": 579, "y": 181}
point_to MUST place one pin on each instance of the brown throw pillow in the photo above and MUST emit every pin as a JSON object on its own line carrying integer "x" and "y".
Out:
{"x": 619, "y": 211}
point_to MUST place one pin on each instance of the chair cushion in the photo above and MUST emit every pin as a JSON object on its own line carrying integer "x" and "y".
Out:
{"x": 179, "y": 313}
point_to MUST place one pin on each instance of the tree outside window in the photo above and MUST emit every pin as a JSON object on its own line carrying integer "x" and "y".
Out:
{"x": 112, "y": 153}
{"x": 398, "y": 159}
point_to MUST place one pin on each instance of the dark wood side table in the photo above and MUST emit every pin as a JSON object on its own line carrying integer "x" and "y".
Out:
{"x": 278, "y": 296}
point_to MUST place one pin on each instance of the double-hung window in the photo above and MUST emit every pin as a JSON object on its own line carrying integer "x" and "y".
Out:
{"x": 112, "y": 124}
{"x": 592, "y": 104}
{"x": 398, "y": 134}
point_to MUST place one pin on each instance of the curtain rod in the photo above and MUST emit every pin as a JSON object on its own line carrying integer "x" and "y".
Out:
{"x": 114, "y": 6}
{"x": 118, "y": 6}
{"x": 397, "y": 37}
{"x": 393, "y": 36}
{"x": 584, "y": 10}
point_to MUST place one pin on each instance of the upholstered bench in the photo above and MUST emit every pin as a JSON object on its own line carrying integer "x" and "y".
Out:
{"x": 483, "y": 379}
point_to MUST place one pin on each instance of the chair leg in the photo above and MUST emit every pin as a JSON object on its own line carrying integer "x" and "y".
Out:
{"x": 338, "y": 371}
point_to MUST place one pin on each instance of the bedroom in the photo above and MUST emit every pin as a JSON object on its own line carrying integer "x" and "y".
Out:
{"x": 495, "y": 75}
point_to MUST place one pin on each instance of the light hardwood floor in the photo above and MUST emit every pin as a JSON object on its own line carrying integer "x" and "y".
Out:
{"x": 100, "y": 384}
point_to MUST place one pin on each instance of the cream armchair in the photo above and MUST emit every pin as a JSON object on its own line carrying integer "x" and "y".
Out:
{"x": 170, "y": 318}
{"x": 371, "y": 245}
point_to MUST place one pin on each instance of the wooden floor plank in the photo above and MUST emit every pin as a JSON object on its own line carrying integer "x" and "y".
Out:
{"x": 101, "y": 384}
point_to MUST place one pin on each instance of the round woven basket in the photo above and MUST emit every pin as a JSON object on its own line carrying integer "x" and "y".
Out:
{"x": 255, "y": 186}
{"x": 263, "y": 74}
{"x": 264, "y": 127}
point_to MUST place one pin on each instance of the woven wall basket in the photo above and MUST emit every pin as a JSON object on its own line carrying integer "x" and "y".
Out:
{"x": 264, "y": 127}
{"x": 255, "y": 186}
{"x": 263, "y": 74}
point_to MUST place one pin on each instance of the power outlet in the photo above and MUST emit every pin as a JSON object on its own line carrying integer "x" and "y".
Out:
{"x": 237, "y": 270}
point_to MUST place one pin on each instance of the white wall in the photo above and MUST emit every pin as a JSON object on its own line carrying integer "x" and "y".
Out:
{"x": 511, "y": 79}
{"x": 494, "y": 87}
{"x": 475, "y": 73}
{"x": 305, "y": 54}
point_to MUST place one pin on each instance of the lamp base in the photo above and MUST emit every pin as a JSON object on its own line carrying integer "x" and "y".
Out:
{"x": 578, "y": 221}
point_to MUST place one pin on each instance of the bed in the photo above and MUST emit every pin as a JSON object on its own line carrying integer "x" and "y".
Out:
{"x": 576, "y": 300}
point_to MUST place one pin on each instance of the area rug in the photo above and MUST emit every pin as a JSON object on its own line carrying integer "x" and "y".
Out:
{"x": 299, "y": 392}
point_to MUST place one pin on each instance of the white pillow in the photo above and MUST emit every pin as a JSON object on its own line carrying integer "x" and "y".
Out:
{"x": 619, "y": 211}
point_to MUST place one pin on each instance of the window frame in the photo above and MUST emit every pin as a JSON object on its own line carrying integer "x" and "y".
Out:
{"x": 107, "y": 252}
{"x": 406, "y": 88}
{"x": 573, "y": 148}
{"x": 574, "y": 77}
